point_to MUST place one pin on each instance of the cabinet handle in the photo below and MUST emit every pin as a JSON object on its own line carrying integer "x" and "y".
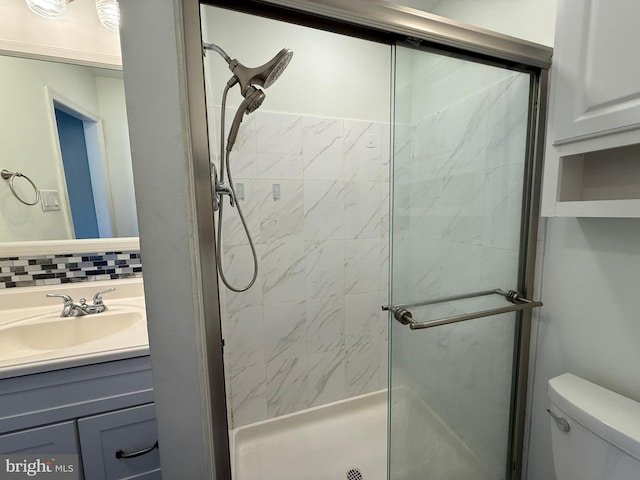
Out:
{"x": 123, "y": 454}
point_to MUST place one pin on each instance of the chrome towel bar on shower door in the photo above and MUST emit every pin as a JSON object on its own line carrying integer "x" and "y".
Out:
{"x": 405, "y": 317}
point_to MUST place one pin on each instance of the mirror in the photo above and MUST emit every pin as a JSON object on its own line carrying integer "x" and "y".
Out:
{"x": 64, "y": 127}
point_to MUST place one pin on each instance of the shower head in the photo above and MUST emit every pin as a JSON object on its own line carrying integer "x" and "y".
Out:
{"x": 253, "y": 100}
{"x": 263, "y": 76}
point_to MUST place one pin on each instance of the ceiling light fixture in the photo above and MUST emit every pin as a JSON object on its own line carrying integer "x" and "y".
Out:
{"x": 50, "y": 9}
{"x": 109, "y": 14}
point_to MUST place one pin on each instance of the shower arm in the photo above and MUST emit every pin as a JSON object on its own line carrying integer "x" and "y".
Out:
{"x": 216, "y": 48}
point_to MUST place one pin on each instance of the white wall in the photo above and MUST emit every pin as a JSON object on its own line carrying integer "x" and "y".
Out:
{"x": 79, "y": 38}
{"x": 532, "y": 20}
{"x": 589, "y": 325}
{"x": 28, "y": 142}
{"x": 111, "y": 100}
{"x": 330, "y": 75}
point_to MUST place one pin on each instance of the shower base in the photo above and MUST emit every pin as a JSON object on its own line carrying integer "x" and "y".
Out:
{"x": 342, "y": 440}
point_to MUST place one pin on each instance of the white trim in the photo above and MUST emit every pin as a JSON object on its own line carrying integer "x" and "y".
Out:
{"x": 97, "y": 157}
{"x": 44, "y": 247}
{"x": 66, "y": 55}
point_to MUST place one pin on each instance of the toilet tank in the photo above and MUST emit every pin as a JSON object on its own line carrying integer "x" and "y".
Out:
{"x": 603, "y": 442}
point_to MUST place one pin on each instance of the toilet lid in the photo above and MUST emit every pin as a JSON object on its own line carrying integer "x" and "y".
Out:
{"x": 607, "y": 414}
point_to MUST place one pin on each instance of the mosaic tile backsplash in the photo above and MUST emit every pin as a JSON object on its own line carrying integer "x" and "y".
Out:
{"x": 68, "y": 268}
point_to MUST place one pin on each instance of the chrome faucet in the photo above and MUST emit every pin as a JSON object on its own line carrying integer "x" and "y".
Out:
{"x": 71, "y": 309}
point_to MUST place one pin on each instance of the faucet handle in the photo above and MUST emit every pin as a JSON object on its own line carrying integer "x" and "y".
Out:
{"x": 97, "y": 298}
{"x": 64, "y": 297}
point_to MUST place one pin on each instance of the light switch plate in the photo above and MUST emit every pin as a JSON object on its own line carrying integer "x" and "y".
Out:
{"x": 50, "y": 200}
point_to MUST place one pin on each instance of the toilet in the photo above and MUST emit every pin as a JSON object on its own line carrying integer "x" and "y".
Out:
{"x": 595, "y": 433}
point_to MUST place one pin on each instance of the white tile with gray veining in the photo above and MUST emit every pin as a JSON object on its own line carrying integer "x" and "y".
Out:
{"x": 503, "y": 191}
{"x": 323, "y": 210}
{"x": 362, "y": 265}
{"x": 362, "y": 206}
{"x": 278, "y": 133}
{"x": 461, "y": 229}
{"x": 279, "y": 166}
{"x": 324, "y": 268}
{"x": 326, "y": 377}
{"x": 362, "y": 314}
{"x": 363, "y": 363}
{"x": 244, "y": 165}
{"x": 362, "y": 151}
{"x": 463, "y": 194}
{"x": 285, "y": 332}
{"x": 248, "y": 392}
{"x": 322, "y": 148}
{"x": 285, "y": 336}
{"x": 282, "y": 269}
{"x": 244, "y": 338}
{"x": 238, "y": 268}
{"x": 248, "y": 197}
{"x": 466, "y": 134}
{"x": 508, "y": 105}
{"x": 286, "y": 385}
{"x": 402, "y": 152}
{"x": 282, "y": 214}
{"x": 325, "y": 324}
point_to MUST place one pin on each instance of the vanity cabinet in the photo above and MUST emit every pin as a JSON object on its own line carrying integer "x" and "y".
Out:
{"x": 592, "y": 158}
{"x": 120, "y": 444}
{"x": 60, "y": 439}
{"x": 94, "y": 411}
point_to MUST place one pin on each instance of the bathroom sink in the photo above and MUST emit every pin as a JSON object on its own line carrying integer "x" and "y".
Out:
{"x": 36, "y": 334}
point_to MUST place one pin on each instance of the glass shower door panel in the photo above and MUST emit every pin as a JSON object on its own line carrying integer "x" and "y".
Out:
{"x": 460, "y": 131}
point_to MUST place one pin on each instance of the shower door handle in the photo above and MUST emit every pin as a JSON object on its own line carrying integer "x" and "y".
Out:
{"x": 405, "y": 317}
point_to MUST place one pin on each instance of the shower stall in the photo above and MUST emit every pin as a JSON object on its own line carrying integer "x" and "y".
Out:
{"x": 389, "y": 183}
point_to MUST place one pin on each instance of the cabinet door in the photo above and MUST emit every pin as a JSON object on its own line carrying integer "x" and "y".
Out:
{"x": 595, "y": 72}
{"x": 58, "y": 439}
{"x": 131, "y": 432}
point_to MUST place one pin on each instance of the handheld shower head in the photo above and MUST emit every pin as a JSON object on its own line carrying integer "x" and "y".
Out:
{"x": 252, "y": 82}
{"x": 254, "y": 99}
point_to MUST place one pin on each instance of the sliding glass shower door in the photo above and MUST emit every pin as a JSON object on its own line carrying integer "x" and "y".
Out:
{"x": 459, "y": 171}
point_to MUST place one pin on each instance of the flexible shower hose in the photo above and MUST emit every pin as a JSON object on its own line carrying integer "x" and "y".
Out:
{"x": 224, "y": 166}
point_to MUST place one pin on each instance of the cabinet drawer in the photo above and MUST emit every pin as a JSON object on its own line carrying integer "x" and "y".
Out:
{"x": 58, "y": 439}
{"x": 127, "y": 431}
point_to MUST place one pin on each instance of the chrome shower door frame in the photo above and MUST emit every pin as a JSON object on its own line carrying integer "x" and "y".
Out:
{"x": 369, "y": 19}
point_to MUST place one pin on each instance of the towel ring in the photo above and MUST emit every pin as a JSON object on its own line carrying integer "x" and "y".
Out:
{"x": 11, "y": 176}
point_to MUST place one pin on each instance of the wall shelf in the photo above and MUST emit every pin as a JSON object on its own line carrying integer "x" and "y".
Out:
{"x": 592, "y": 158}
{"x": 603, "y": 183}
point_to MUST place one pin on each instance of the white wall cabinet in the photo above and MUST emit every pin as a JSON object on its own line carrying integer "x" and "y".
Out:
{"x": 593, "y": 136}
{"x": 94, "y": 411}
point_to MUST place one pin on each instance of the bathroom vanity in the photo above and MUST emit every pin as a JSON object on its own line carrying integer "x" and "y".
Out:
{"x": 70, "y": 387}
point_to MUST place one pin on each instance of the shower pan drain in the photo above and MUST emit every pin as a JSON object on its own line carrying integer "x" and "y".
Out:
{"x": 354, "y": 473}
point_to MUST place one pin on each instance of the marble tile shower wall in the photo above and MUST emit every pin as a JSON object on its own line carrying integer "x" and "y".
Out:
{"x": 459, "y": 175}
{"x": 310, "y": 331}
{"x": 459, "y": 183}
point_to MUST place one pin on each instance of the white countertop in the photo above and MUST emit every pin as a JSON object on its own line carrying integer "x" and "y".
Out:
{"x": 25, "y": 305}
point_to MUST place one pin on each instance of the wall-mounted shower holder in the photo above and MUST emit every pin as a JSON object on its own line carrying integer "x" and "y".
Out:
{"x": 219, "y": 189}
